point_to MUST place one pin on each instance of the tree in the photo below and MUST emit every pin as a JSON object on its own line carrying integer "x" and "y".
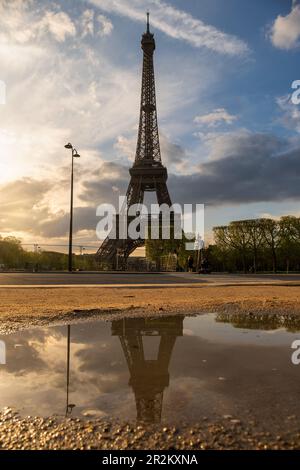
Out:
{"x": 289, "y": 237}
{"x": 271, "y": 232}
{"x": 155, "y": 249}
{"x": 11, "y": 252}
{"x": 255, "y": 237}
{"x": 234, "y": 236}
{"x": 272, "y": 244}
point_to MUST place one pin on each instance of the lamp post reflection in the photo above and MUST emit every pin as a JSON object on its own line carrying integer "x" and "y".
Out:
{"x": 69, "y": 406}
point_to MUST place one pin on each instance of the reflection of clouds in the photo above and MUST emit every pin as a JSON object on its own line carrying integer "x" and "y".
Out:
{"x": 35, "y": 380}
{"x": 194, "y": 399}
{"x": 2, "y": 352}
{"x": 22, "y": 353}
{"x": 31, "y": 371}
{"x": 187, "y": 332}
{"x": 258, "y": 373}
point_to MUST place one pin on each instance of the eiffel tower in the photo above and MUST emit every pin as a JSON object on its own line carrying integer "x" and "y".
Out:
{"x": 147, "y": 172}
{"x": 148, "y": 377}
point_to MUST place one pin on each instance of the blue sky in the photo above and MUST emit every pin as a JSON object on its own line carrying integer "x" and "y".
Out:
{"x": 229, "y": 131}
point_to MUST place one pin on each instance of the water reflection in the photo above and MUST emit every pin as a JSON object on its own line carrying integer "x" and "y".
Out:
{"x": 166, "y": 369}
{"x": 148, "y": 377}
{"x": 69, "y": 406}
{"x": 261, "y": 321}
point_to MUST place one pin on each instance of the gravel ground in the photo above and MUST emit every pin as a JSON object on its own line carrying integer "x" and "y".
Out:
{"x": 22, "y": 308}
{"x": 54, "y": 433}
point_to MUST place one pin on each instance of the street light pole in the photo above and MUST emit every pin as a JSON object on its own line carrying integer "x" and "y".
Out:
{"x": 74, "y": 154}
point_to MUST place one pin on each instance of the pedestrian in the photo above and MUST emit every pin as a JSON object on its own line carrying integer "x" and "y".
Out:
{"x": 190, "y": 264}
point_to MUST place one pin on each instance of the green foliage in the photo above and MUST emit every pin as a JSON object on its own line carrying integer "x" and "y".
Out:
{"x": 11, "y": 252}
{"x": 241, "y": 246}
{"x": 156, "y": 249}
{"x": 257, "y": 245}
{"x": 13, "y": 256}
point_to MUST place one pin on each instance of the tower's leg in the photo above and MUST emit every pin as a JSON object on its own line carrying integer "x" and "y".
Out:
{"x": 135, "y": 195}
{"x": 135, "y": 192}
{"x": 162, "y": 194}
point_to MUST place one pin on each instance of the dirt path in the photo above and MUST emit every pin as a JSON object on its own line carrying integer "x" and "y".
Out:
{"x": 23, "y": 307}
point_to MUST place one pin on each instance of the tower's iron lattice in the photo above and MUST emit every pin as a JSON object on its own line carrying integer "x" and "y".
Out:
{"x": 147, "y": 172}
{"x": 148, "y": 377}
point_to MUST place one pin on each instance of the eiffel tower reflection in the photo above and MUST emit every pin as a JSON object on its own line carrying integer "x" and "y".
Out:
{"x": 148, "y": 377}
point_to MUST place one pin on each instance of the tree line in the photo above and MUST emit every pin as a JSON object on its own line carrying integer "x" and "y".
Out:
{"x": 13, "y": 256}
{"x": 256, "y": 245}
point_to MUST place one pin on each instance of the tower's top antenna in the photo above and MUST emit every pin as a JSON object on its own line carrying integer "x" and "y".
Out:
{"x": 148, "y": 25}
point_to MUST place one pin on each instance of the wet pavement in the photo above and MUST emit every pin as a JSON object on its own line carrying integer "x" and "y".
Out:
{"x": 172, "y": 371}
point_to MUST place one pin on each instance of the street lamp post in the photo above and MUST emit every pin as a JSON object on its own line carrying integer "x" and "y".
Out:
{"x": 74, "y": 155}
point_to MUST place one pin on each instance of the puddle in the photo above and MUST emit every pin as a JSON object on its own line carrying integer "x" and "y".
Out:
{"x": 170, "y": 369}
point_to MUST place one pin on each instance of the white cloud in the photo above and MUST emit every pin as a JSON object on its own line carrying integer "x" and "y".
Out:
{"x": 87, "y": 22}
{"x": 22, "y": 24}
{"x": 58, "y": 24}
{"x": 60, "y": 91}
{"x": 290, "y": 117}
{"x": 90, "y": 25}
{"x": 177, "y": 24}
{"x": 126, "y": 147}
{"x": 105, "y": 24}
{"x": 241, "y": 142}
{"x": 73, "y": 92}
{"x": 216, "y": 117}
{"x": 285, "y": 31}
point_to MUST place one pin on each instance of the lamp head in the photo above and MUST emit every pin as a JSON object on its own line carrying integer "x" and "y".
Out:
{"x": 69, "y": 146}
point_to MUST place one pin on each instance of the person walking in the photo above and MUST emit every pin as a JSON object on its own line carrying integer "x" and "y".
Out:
{"x": 190, "y": 264}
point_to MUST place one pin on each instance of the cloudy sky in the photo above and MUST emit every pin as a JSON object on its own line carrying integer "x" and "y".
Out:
{"x": 229, "y": 130}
